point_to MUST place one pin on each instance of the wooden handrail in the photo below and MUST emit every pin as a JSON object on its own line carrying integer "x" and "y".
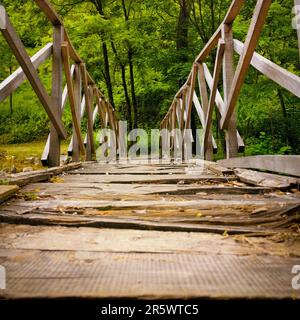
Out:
{"x": 281, "y": 76}
{"x": 24, "y": 60}
{"x": 11, "y": 83}
{"x": 232, "y": 79}
{"x": 257, "y": 23}
{"x": 62, "y": 51}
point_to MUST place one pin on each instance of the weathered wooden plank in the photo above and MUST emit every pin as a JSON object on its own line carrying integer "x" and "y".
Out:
{"x": 265, "y": 179}
{"x": 281, "y": 76}
{"x": 256, "y": 26}
{"x": 96, "y": 189}
{"x": 21, "y": 55}
{"x": 87, "y": 239}
{"x": 10, "y": 84}
{"x": 218, "y": 169}
{"x": 7, "y": 192}
{"x": 175, "y": 178}
{"x": 22, "y": 179}
{"x": 71, "y": 274}
{"x": 44, "y": 219}
{"x": 276, "y": 163}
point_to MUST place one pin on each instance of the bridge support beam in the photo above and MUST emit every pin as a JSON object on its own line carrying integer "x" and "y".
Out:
{"x": 57, "y": 83}
{"x": 228, "y": 75}
{"x": 77, "y": 98}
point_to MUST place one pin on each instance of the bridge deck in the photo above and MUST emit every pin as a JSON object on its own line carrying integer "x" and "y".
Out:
{"x": 154, "y": 231}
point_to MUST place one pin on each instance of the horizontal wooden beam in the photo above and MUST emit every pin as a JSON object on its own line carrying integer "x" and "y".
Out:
{"x": 281, "y": 76}
{"x": 11, "y": 83}
{"x": 23, "y": 58}
{"x": 274, "y": 163}
{"x": 256, "y": 26}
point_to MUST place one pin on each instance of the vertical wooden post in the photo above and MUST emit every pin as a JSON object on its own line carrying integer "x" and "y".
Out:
{"x": 228, "y": 75}
{"x": 57, "y": 78}
{"x": 77, "y": 97}
{"x": 90, "y": 138}
{"x": 204, "y": 101}
{"x": 182, "y": 106}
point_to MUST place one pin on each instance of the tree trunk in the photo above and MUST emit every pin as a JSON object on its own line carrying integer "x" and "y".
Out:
{"x": 182, "y": 31}
{"x": 131, "y": 71}
{"x": 107, "y": 74}
{"x": 125, "y": 88}
{"x": 289, "y": 138}
{"x": 133, "y": 96}
{"x": 99, "y": 8}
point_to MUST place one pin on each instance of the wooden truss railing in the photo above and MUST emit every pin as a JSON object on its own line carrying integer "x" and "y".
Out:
{"x": 179, "y": 114}
{"x": 80, "y": 89}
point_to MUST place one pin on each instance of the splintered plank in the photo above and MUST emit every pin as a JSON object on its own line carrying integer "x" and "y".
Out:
{"x": 7, "y": 192}
{"x": 22, "y": 179}
{"x": 144, "y": 179}
{"x": 44, "y": 219}
{"x": 218, "y": 169}
{"x": 276, "y": 163}
{"x": 98, "y": 189}
{"x": 265, "y": 179}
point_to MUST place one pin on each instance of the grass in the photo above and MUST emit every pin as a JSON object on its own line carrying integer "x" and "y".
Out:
{"x": 16, "y": 154}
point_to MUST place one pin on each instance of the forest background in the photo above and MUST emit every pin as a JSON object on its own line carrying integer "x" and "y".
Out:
{"x": 140, "y": 52}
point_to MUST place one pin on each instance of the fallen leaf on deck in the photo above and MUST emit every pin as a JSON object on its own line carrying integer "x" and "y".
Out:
{"x": 57, "y": 180}
{"x": 225, "y": 234}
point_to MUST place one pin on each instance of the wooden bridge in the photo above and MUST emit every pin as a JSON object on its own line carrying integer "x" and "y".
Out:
{"x": 150, "y": 228}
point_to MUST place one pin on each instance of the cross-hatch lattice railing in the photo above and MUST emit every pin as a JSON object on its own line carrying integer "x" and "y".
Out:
{"x": 80, "y": 89}
{"x": 179, "y": 114}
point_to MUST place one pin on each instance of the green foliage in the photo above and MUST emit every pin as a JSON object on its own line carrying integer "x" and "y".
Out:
{"x": 268, "y": 116}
